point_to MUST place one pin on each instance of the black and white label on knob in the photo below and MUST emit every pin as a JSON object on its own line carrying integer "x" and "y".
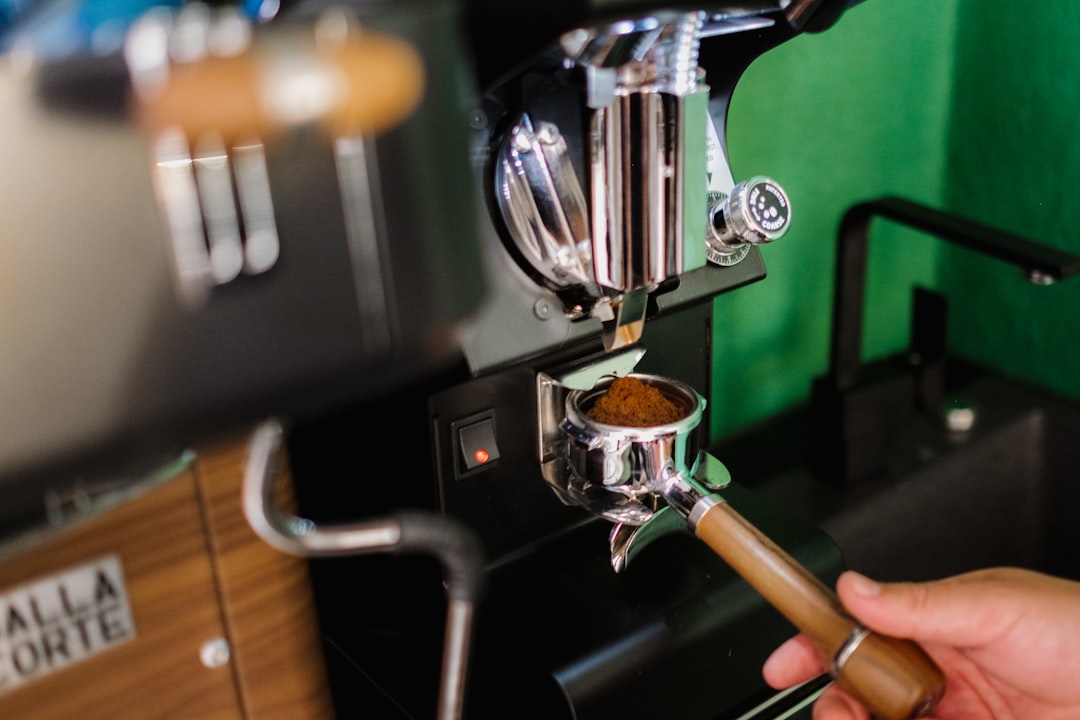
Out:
{"x": 767, "y": 207}
{"x": 756, "y": 212}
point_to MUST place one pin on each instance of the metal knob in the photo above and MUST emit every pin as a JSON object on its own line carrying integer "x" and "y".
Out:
{"x": 757, "y": 211}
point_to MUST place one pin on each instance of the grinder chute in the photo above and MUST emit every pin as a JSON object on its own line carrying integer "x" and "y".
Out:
{"x": 613, "y": 203}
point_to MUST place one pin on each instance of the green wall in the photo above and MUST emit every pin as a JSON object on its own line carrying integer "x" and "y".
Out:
{"x": 858, "y": 111}
{"x": 972, "y": 106}
{"x": 1014, "y": 162}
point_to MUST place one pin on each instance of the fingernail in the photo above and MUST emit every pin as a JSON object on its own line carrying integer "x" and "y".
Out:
{"x": 863, "y": 585}
{"x": 831, "y": 704}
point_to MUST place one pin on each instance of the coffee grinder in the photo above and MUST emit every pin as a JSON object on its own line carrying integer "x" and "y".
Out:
{"x": 609, "y": 220}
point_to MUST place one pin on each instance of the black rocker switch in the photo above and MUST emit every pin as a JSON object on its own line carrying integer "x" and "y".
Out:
{"x": 476, "y": 442}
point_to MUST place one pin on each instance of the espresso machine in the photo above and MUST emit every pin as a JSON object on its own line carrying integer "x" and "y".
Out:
{"x": 414, "y": 307}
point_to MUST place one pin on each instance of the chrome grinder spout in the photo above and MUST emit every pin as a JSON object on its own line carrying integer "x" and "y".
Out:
{"x": 638, "y": 217}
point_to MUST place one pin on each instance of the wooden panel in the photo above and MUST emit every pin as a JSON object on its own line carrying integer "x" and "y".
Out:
{"x": 267, "y": 601}
{"x": 194, "y": 572}
{"x": 160, "y": 541}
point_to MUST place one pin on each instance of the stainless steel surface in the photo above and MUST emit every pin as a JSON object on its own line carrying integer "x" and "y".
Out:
{"x": 365, "y": 223}
{"x": 656, "y": 48}
{"x": 627, "y": 540}
{"x": 633, "y": 461}
{"x": 297, "y": 535}
{"x": 535, "y": 306}
{"x": 552, "y": 388}
{"x": 216, "y": 201}
{"x": 649, "y": 481}
{"x": 223, "y": 232}
{"x": 217, "y": 205}
{"x": 637, "y": 219}
{"x": 702, "y": 506}
{"x": 755, "y": 212}
{"x": 544, "y": 204}
{"x": 623, "y": 318}
{"x": 261, "y": 244}
{"x": 638, "y": 189}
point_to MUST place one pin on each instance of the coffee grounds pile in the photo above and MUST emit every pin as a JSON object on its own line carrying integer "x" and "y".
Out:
{"x": 629, "y": 402}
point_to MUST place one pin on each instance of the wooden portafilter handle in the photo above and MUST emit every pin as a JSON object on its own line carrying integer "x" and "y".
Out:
{"x": 893, "y": 678}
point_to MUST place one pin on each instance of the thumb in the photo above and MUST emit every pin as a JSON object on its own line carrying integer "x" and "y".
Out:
{"x": 952, "y": 611}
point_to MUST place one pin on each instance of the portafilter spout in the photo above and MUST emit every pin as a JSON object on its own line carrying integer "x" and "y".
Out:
{"x": 656, "y": 465}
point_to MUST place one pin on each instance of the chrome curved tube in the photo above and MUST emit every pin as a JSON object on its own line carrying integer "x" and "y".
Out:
{"x": 453, "y": 544}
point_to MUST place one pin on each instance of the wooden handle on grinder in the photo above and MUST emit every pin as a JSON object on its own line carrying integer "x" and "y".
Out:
{"x": 363, "y": 84}
{"x": 895, "y": 679}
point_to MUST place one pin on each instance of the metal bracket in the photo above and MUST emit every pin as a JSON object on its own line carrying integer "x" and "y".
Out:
{"x": 627, "y": 540}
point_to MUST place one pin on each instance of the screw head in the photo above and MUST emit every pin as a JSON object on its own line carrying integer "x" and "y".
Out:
{"x": 542, "y": 309}
{"x": 522, "y": 140}
{"x": 215, "y": 653}
{"x": 477, "y": 119}
{"x": 548, "y": 133}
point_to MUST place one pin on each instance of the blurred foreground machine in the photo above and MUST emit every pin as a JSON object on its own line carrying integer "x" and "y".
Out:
{"x": 351, "y": 305}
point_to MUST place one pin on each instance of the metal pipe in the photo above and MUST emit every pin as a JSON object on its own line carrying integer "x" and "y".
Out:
{"x": 454, "y": 545}
{"x": 1040, "y": 263}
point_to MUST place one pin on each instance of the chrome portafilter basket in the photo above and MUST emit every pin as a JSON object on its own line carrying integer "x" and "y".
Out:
{"x": 630, "y": 475}
{"x": 656, "y": 479}
{"x": 632, "y": 460}
{"x": 645, "y": 479}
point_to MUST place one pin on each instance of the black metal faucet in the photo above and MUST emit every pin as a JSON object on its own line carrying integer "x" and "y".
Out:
{"x": 855, "y": 406}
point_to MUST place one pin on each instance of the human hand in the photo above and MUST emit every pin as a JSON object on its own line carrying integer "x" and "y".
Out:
{"x": 1008, "y": 641}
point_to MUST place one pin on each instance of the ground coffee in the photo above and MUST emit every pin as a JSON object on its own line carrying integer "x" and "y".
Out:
{"x": 629, "y": 402}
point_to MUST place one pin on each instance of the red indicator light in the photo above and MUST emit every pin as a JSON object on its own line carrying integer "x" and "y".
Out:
{"x": 481, "y": 456}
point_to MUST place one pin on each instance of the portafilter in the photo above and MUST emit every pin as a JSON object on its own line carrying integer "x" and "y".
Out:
{"x": 629, "y": 474}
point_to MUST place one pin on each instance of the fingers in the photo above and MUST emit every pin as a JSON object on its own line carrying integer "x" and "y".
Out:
{"x": 1002, "y": 622}
{"x": 1006, "y": 623}
{"x": 793, "y": 662}
{"x": 941, "y": 611}
{"x": 796, "y": 661}
{"x": 965, "y": 610}
{"x": 835, "y": 704}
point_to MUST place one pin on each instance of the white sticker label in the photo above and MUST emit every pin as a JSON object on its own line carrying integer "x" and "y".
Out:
{"x": 718, "y": 173}
{"x": 61, "y": 620}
